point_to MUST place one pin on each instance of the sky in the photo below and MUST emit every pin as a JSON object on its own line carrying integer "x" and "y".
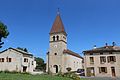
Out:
{"x": 87, "y": 23}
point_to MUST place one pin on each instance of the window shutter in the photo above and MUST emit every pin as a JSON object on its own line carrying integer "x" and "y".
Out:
{"x": 114, "y": 59}
{"x": 105, "y": 58}
{"x": 99, "y": 69}
{"x": 105, "y": 70}
{"x": 108, "y": 58}
{"x": 100, "y": 60}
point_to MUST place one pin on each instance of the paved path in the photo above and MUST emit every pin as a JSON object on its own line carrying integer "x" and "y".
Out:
{"x": 98, "y": 78}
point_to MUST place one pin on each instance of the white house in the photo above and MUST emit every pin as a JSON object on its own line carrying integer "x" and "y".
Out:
{"x": 16, "y": 60}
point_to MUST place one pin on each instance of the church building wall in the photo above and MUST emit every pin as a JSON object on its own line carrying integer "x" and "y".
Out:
{"x": 73, "y": 62}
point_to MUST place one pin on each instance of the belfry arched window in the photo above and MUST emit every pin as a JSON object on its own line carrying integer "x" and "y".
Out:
{"x": 57, "y": 37}
{"x": 53, "y": 38}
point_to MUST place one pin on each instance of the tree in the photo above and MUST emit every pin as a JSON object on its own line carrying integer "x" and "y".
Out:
{"x": 3, "y": 33}
{"x": 40, "y": 64}
{"x": 23, "y": 49}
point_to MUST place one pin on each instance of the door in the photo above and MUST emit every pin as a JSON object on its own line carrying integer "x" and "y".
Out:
{"x": 113, "y": 71}
{"x": 56, "y": 68}
{"x": 24, "y": 68}
{"x": 90, "y": 71}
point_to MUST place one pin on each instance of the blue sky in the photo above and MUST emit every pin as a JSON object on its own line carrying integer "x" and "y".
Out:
{"x": 87, "y": 22}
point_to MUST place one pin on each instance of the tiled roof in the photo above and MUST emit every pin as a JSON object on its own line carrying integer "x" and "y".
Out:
{"x": 18, "y": 50}
{"x": 72, "y": 53}
{"x": 104, "y": 49}
{"x": 57, "y": 25}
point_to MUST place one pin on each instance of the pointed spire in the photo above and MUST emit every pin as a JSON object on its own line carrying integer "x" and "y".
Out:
{"x": 58, "y": 26}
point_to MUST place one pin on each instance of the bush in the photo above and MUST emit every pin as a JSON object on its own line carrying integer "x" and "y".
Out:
{"x": 75, "y": 77}
{"x": 68, "y": 69}
{"x": 71, "y": 75}
{"x": 6, "y": 71}
{"x": 1, "y": 71}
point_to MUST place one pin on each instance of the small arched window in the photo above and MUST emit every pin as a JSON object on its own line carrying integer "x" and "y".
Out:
{"x": 57, "y": 37}
{"x": 53, "y": 38}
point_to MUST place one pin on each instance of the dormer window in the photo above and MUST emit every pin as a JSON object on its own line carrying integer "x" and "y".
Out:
{"x": 57, "y": 38}
{"x": 53, "y": 38}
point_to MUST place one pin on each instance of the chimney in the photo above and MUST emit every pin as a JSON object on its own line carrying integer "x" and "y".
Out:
{"x": 94, "y": 47}
{"x": 106, "y": 44}
{"x": 113, "y": 43}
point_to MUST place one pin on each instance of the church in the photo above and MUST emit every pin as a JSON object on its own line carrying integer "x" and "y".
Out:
{"x": 59, "y": 58}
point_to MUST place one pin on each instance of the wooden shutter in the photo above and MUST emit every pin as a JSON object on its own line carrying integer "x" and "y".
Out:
{"x": 114, "y": 59}
{"x": 105, "y": 69}
{"x": 108, "y": 58}
{"x": 99, "y": 69}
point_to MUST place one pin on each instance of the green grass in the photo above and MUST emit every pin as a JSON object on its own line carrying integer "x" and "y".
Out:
{"x": 18, "y": 76}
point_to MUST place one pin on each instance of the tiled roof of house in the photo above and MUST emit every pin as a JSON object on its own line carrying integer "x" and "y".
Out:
{"x": 104, "y": 49}
{"x": 57, "y": 25}
{"x": 18, "y": 50}
{"x": 72, "y": 53}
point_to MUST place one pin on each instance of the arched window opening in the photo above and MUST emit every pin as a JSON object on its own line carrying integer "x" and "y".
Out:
{"x": 53, "y": 38}
{"x": 57, "y": 38}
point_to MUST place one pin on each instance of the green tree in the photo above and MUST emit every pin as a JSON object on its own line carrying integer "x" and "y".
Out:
{"x": 40, "y": 64}
{"x": 3, "y": 33}
{"x": 23, "y": 49}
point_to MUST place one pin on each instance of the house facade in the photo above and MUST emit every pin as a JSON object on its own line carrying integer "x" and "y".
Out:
{"x": 59, "y": 58}
{"x": 16, "y": 60}
{"x": 102, "y": 62}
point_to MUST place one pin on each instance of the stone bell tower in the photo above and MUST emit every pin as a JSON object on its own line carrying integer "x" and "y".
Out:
{"x": 57, "y": 44}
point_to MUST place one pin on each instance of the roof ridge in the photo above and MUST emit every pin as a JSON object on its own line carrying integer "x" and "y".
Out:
{"x": 72, "y": 53}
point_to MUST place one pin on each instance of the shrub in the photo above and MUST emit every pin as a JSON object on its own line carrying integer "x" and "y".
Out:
{"x": 75, "y": 76}
{"x": 6, "y": 71}
{"x": 71, "y": 75}
{"x": 68, "y": 69}
{"x": 1, "y": 71}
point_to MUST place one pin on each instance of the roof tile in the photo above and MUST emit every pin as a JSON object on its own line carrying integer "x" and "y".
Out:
{"x": 57, "y": 25}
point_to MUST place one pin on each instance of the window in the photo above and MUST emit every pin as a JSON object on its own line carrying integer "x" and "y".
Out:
{"x": 55, "y": 53}
{"x": 102, "y": 69}
{"x": 102, "y": 59}
{"x": 1, "y": 59}
{"x": 57, "y": 38}
{"x": 91, "y": 60}
{"x": 101, "y": 53}
{"x": 91, "y": 53}
{"x": 53, "y": 38}
{"x": 111, "y": 59}
{"x": 25, "y": 60}
{"x": 32, "y": 63}
{"x": 64, "y": 37}
{"x": 9, "y": 60}
{"x": 110, "y": 53}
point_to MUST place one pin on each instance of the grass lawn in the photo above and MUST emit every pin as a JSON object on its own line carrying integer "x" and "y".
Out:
{"x": 11, "y": 76}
